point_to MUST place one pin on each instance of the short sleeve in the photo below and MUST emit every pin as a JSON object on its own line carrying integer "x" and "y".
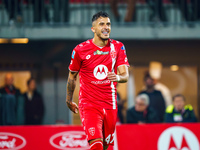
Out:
{"x": 75, "y": 63}
{"x": 121, "y": 56}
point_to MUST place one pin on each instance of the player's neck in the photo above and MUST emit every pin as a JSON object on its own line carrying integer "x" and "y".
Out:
{"x": 99, "y": 42}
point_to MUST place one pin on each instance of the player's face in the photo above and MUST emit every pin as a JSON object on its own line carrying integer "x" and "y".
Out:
{"x": 179, "y": 103}
{"x": 102, "y": 27}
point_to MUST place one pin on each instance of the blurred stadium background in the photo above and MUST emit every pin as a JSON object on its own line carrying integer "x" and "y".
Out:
{"x": 39, "y": 42}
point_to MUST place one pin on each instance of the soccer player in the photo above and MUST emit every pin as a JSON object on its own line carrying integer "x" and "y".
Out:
{"x": 101, "y": 62}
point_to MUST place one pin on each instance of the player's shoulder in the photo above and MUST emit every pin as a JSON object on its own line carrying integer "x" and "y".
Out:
{"x": 116, "y": 42}
{"x": 83, "y": 45}
{"x": 119, "y": 45}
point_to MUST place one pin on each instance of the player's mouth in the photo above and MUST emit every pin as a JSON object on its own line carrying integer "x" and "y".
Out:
{"x": 106, "y": 33}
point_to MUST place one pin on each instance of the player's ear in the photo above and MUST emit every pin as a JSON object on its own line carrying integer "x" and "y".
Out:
{"x": 93, "y": 30}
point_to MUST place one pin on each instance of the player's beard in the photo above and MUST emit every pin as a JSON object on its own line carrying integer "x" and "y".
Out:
{"x": 102, "y": 38}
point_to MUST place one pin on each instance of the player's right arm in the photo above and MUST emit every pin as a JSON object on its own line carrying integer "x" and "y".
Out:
{"x": 71, "y": 84}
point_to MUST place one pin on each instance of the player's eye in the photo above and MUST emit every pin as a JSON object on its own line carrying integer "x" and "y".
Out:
{"x": 108, "y": 24}
{"x": 101, "y": 23}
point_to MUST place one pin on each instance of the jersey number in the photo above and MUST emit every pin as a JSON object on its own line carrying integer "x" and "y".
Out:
{"x": 109, "y": 138}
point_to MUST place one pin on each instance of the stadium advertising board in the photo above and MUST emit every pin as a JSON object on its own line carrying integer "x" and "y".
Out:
{"x": 69, "y": 140}
{"x": 11, "y": 141}
{"x": 43, "y": 137}
{"x": 159, "y": 137}
{"x": 129, "y": 137}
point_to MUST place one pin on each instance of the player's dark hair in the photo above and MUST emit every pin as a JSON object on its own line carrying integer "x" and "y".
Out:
{"x": 99, "y": 14}
{"x": 178, "y": 95}
{"x": 29, "y": 80}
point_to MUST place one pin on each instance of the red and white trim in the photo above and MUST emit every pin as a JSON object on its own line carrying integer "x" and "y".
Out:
{"x": 112, "y": 85}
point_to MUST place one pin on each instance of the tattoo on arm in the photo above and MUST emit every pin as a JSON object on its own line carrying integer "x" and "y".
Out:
{"x": 71, "y": 84}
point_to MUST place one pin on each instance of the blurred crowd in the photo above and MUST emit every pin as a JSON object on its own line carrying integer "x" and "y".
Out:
{"x": 154, "y": 105}
{"x": 40, "y": 10}
{"x": 17, "y": 108}
{"x": 190, "y": 9}
{"x": 59, "y": 10}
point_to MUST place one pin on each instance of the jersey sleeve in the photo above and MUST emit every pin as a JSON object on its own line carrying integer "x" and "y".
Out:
{"x": 121, "y": 56}
{"x": 75, "y": 63}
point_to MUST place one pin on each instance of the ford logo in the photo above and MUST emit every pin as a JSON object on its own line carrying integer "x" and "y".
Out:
{"x": 11, "y": 141}
{"x": 69, "y": 140}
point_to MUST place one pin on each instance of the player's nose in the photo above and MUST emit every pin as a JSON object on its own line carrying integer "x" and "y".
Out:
{"x": 105, "y": 26}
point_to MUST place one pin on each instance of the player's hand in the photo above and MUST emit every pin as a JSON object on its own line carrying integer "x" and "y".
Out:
{"x": 72, "y": 106}
{"x": 112, "y": 76}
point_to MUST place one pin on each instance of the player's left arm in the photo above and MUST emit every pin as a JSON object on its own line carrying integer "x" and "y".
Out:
{"x": 122, "y": 75}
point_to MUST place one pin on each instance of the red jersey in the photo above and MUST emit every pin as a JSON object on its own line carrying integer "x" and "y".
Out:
{"x": 93, "y": 63}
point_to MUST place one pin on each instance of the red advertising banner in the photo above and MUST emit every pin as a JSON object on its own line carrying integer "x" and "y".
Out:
{"x": 159, "y": 137}
{"x": 43, "y": 138}
{"x": 129, "y": 137}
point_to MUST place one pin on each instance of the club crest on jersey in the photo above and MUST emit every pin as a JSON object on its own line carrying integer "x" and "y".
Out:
{"x": 113, "y": 54}
{"x": 91, "y": 131}
{"x": 98, "y": 52}
{"x": 100, "y": 72}
{"x": 73, "y": 54}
